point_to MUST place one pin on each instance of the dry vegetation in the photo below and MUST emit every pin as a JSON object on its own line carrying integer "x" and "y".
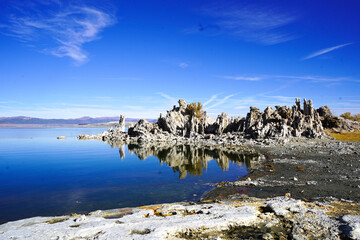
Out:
{"x": 195, "y": 109}
{"x": 346, "y": 136}
{"x": 347, "y": 115}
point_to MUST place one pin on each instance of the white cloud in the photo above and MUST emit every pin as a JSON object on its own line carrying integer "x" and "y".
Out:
{"x": 167, "y": 97}
{"x": 213, "y": 97}
{"x": 222, "y": 101}
{"x": 83, "y": 105}
{"x": 255, "y": 24}
{"x": 122, "y": 78}
{"x": 282, "y": 98}
{"x": 316, "y": 78}
{"x": 183, "y": 65}
{"x": 309, "y": 78}
{"x": 134, "y": 107}
{"x": 68, "y": 28}
{"x": 242, "y": 78}
{"x": 339, "y": 111}
{"x": 326, "y": 50}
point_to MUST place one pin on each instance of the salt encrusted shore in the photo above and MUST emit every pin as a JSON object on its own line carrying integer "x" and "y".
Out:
{"x": 234, "y": 218}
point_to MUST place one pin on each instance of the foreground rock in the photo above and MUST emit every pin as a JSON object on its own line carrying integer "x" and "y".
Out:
{"x": 239, "y": 217}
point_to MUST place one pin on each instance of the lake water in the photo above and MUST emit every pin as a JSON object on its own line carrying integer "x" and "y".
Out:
{"x": 43, "y": 176}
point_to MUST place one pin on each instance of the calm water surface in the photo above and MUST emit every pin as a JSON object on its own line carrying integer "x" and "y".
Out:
{"x": 43, "y": 176}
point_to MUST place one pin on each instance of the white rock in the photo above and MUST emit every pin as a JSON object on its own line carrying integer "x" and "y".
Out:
{"x": 219, "y": 216}
{"x": 353, "y": 222}
{"x": 282, "y": 205}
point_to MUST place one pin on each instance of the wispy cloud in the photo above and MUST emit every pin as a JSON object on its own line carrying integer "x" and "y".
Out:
{"x": 167, "y": 97}
{"x": 83, "y": 105}
{"x": 221, "y": 101}
{"x": 183, "y": 65}
{"x": 251, "y": 23}
{"x": 242, "y": 78}
{"x": 317, "y": 78}
{"x": 134, "y": 107}
{"x": 213, "y": 97}
{"x": 308, "y": 78}
{"x": 326, "y": 50}
{"x": 122, "y": 78}
{"x": 281, "y": 98}
{"x": 65, "y": 28}
{"x": 339, "y": 111}
{"x": 348, "y": 104}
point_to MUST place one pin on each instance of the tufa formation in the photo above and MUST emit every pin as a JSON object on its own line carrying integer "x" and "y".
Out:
{"x": 188, "y": 123}
{"x": 281, "y": 122}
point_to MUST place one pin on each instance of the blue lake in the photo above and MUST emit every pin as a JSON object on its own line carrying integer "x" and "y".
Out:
{"x": 43, "y": 176}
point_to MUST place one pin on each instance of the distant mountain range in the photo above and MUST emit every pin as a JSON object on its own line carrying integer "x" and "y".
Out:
{"x": 81, "y": 121}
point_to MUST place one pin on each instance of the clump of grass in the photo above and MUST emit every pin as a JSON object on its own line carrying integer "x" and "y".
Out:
{"x": 270, "y": 167}
{"x": 346, "y": 136}
{"x": 300, "y": 168}
{"x": 75, "y": 226}
{"x": 56, "y": 220}
{"x": 195, "y": 109}
{"x": 121, "y": 213}
{"x": 347, "y": 115}
{"x": 141, "y": 232}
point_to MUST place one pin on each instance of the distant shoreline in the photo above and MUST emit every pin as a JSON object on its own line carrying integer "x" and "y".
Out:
{"x": 94, "y": 125}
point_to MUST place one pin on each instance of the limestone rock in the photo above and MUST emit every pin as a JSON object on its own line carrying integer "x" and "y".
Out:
{"x": 324, "y": 111}
{"x": 352, "y": 227}
{"x": 175, "y": 120}
{"x": 142, "y": 129}
{"x": 180, "y": 123}
{"x": 290, "y": 219}
{"x": 122, "y": 123}
{"x": 284, "y": 122}
{"x": 339, "y": 124}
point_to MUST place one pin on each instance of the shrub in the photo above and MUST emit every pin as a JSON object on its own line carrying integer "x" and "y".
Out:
{"x": 357, "y": 117}
{"x": 347, "y": 115}
{"x": 195, "y": 109}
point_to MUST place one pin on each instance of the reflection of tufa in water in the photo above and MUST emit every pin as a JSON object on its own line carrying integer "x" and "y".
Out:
{"x": 189, "y": 158}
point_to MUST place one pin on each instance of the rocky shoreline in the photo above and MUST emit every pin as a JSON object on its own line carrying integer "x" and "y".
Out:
{"x": 238, "y": 217}
{"x": 302, "y": 183}
{"x": 311, "y": 170}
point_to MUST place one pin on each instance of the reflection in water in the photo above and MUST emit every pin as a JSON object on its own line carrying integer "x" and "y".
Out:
{"x": 189, "y": 158}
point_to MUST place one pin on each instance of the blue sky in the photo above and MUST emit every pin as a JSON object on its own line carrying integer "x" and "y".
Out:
{"x": 65, "y": 59}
